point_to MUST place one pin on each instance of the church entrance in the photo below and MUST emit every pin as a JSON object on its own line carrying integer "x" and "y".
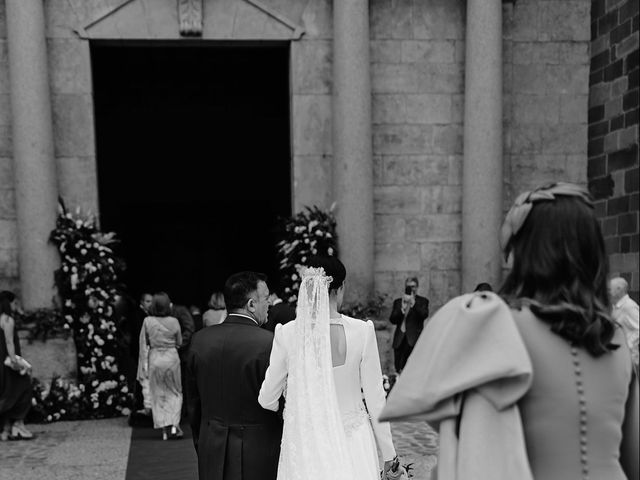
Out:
{"x": 194, "y": 160}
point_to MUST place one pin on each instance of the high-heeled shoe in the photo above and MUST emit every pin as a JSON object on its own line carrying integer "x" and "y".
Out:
{"x": 176, "y": 432}
{"x": 20, "y": 432}
{"x": 165, "y": 435}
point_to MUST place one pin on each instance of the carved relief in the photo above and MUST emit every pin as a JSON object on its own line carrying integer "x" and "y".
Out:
{"x": 190, "y": 15}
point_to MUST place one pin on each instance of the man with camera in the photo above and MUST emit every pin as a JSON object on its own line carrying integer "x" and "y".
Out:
{"x": 408, "y": 314}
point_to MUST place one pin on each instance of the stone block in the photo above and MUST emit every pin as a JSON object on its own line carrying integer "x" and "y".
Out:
{"x": 435, "y": 228}
{"x": 397, "y": 256}
{"x": 443, "y": 286}
{"x": 457, "y": 108}
{"x": 55, "y": 357}
{"x": 4, "y": 67}
{"x": 6, "y": 172}
{"x": 397, "y": 200}
{"x": 442, "y": 199}
{"x": 455, "y": 170}
{"x": 385, "y": 51}
{"x": 438, "y": 19}
{"x": 441, "y": 255}
{"x": 428, "y": 51}
{"x": 576, "y": 169}
{"x": 574, "y": 108}
{"x": 568, "y": 79}
{"x": 544, "y": 109}
{"x": 522, "y": 24}
{"x": 73, "y": 125}
{"x": 389, "y": 229}
{"x": 311, "y": 67}
{"x": 8, "y": 262}
{"x": 7, "y": 203}
{"x": 69, "y": 66}
{"x": 599, "y": 45}
{"x": 536, "y": 53}
{"x": 599, "y": 94}
{"x": 428, "y": 108}
{"x": 564, "y": 138}
{"x": 391, "y": 20}
{"x": 393, "y": 78}
{"x": 569, "y": 20}
{"x": 439, "y": 78}
{"x": 402, "y": 139}
{"x": 613, "y": 108}
{"x": 530, "y": 79}
{"x": 312, "y": 184}
{"x": 627, "y": 46}
{"x": 628, "y": 137}
{"x": 619, "y": 86}
{"x": 78, "y": 182}
{"x": 312, "y": 125}
{"x": 611, "y": 142}
{"x": 389, "y": 108}
{"x": 460, "y": 51}
{"x": 317, "y": 19}
{"x": 415, "y": 170}
{"x": 218, "y": 19}
{"x": 378, "y": 174}
{"x": 448, "y": 139}
{"x": 249, "y": 22}
{"x": 3, "y": 21}
{"x": 574, "y": 53}
{"x": 9, "y": 233}
{"x": 6, "y": 141}
{"x": 534, "y": 170}
{"x": 5, "y": 109}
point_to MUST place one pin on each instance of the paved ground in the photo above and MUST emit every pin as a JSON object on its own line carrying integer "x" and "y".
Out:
{"x": 109, "y": 450}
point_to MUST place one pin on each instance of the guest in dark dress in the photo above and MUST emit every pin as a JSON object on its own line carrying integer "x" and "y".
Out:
{"x": 15, "y": 388}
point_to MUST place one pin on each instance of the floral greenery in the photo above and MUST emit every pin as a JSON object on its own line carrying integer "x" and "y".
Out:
{"x": 61, "y": 400}
{"x": 87, "y": 284}
{"x": 309, "y": 232}
{"x": 43, "y": 323}
{"x": 370, "y": 310}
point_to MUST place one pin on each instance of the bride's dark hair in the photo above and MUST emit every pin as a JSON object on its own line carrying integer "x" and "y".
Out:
{"x": 560, "y": 271}
{"x": 333, "y": 268}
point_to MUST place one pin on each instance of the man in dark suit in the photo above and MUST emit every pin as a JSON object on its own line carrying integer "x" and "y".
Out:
{"x": 234, "y": 437}
{"x": 408, "y": 314}
{"x": 279, "y": 312}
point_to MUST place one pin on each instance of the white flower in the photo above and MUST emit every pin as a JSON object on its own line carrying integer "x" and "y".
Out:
{"x": 49, "y": 418}
{"x": 126, "y": 411}
{"x": 330, "y": 251}
{"x": 83, "y": 251}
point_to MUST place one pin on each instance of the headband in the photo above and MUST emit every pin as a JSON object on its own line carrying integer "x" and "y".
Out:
{"x": 524, "y": 203}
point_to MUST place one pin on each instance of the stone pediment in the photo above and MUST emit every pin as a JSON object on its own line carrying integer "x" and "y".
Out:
{"x": 205, "y": 19}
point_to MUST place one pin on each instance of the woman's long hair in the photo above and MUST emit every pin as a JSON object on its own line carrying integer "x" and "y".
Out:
{"x": 560, "y": 271}
{"x": 6, "y": 298}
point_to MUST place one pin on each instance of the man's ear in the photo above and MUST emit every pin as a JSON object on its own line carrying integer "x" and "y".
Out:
{"x": 250, "y": 305}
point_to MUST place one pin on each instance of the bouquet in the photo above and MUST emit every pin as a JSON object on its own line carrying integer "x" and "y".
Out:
{"x": 20, "y": 365}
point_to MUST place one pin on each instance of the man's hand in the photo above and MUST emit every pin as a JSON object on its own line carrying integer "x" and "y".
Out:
{"x": 408, "y": 301}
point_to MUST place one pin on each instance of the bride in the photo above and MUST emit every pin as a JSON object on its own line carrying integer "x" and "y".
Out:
{"x": 327, "y": 366}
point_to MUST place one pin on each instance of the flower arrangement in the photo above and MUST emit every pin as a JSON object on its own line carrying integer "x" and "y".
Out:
{"x": 309, "y": 232}
{"x": 43, "y": 323}
{"x": 86, "y": 282}
{"x": 61, "y": 400}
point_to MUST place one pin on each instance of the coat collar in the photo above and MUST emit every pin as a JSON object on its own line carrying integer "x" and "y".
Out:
{"x": 239, "y": 318}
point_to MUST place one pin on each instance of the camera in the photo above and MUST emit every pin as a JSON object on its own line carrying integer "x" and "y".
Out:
{"x": 408, "y": 291}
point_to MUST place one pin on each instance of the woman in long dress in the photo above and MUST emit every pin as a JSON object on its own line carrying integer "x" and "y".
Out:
{"x": 324, "y": 363}
{"x": 160, "y": 338}
{"x": 15, "y": 389}
{"x": 544, "y": 381}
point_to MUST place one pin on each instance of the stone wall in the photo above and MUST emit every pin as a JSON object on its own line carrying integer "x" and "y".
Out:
{"x": 613, "y": 131}
{"x": 417, "y": 55}
{"x": 417, "y": 69}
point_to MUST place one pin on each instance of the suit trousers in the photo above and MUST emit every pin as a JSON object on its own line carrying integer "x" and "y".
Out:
{"x": 401, "y": 354}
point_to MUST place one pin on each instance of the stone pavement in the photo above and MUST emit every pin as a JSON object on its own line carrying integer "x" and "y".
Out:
{"x": 84, "y": 450}
{"x": 102, "y": 449}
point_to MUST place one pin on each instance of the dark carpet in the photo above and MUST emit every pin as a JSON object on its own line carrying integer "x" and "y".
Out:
{"x": 150, "y": 458}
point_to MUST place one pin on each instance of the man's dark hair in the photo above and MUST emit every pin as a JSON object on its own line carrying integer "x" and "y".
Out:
{"x": 239, "y": 287}
{"x": 332, "y": 268}
{"x": 6, "y": 297}
{"x": 483, "y": 287}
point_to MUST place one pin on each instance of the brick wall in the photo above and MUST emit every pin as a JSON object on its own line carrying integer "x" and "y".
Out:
{"x": 613, "y": 131}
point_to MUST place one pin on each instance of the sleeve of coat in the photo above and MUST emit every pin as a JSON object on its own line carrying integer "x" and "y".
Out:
{"x": 371, "y": 378}
{"x": 194, "y": 408}
{"x": 396, "y": 316}
{"x": 276, "y": 376}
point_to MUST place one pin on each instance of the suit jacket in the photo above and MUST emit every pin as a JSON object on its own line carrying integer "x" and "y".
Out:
{"x": 187, "y": 327}
{"x": 414, "y": 323}
{"x": 234, "y": 437}
{"x": 279, "y": 313}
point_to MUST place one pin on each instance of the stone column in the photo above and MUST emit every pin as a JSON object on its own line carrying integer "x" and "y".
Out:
{"x": 482, "y": 181}
{"x": 33, "y": 154}
{"x": 352, "y": 150}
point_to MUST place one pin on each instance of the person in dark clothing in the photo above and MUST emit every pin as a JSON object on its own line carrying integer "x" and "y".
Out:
{"x": 234, "y": 437}
{"x": 279, "y": 312}
{"x": 408, "y": 314}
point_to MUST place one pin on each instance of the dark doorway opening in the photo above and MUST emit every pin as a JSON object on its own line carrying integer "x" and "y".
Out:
{"x": 194, "y": 160}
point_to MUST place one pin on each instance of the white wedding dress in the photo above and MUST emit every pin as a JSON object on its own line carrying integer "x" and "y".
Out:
{"x": 330, "y": 417}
